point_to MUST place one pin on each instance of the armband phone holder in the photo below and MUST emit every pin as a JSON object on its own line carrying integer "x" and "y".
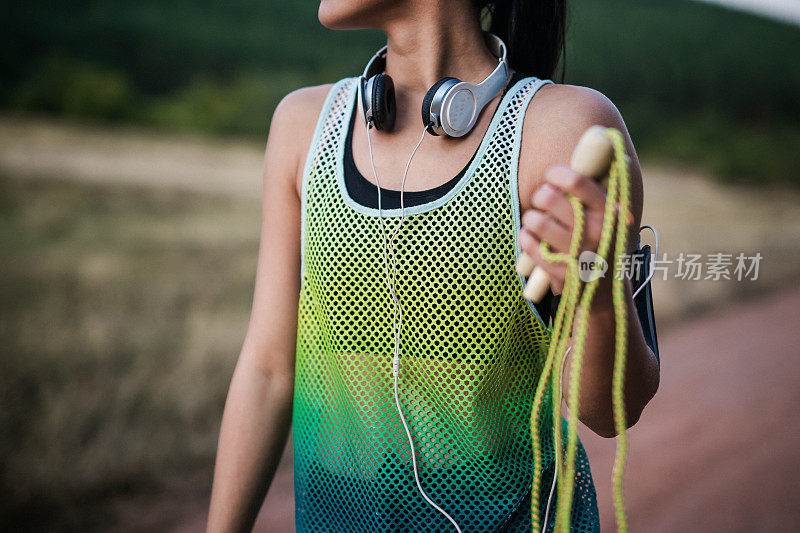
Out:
{"x": 644, "y": 300}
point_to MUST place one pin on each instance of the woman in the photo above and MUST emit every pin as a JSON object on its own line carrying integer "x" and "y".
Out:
{"x": 318, "y": 351}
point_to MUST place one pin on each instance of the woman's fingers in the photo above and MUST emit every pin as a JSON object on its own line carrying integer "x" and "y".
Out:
{"x": 555, "y": 202}
{"x": 557, "y": 271}
{"x": 545, "y": 228}
{"x": 552, "y": 198}
{"x": 585, "y": 189}
{"x": 552, "y": 218}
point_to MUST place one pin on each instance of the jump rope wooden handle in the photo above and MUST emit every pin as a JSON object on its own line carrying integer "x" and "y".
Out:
{"x": 592, "y": 158}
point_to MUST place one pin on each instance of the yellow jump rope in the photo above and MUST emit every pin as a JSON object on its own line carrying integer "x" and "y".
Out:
{"x": 600, "y": 152}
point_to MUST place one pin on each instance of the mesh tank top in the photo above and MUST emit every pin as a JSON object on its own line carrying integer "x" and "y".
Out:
{"x": 364, "y": 192}
{"x": 469, "y": 364}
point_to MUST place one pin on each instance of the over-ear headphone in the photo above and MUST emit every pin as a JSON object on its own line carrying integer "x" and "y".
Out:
{"x": 450, "y": 107}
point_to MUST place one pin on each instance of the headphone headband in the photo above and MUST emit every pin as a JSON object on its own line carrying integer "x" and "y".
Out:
{"x": 378, "y": 61}
{"x": 374, "y": 68}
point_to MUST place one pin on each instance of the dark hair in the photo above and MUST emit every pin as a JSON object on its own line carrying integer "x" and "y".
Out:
{"x": 533, "y": 30}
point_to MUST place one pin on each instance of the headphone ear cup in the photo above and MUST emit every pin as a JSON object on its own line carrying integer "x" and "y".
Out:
{"x": 428, "y": 101}
{"x": 383, "y": 102}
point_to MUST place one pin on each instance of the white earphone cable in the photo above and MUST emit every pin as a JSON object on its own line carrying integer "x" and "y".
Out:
{"x": 397, "y": 320}
{"x": 555, "y": 462}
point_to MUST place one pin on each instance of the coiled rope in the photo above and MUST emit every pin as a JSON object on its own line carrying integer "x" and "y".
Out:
{"x": 572, "y": 322}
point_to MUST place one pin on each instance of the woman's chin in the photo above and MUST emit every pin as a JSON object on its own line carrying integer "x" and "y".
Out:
{"x": 336, "y": 14}
{"x": 352, "y": 14}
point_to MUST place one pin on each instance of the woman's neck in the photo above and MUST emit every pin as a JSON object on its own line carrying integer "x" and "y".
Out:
{"x": 435, "y": 43}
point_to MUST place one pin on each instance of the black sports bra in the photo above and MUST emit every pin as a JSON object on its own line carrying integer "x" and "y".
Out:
{"x": 364, "y": 192}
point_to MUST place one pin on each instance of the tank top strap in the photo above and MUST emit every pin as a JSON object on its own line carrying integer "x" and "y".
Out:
{"x": 498, "y": 156}
{"x": 330, "y": 123}
{"x": 530, "y": 86}
{"x": 506, "y": 135}
{"x": 511, "y": 141}
{"x": 323, "y": 148}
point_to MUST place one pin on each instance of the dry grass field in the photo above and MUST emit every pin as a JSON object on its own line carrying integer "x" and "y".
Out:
{"x": 123, "y": 311}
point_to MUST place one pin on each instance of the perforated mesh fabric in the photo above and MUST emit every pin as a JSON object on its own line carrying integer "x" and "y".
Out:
{"x": 471, "y": 350}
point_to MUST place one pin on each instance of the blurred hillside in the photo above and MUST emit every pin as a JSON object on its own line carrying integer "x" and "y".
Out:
{"x": 695, "y": 82}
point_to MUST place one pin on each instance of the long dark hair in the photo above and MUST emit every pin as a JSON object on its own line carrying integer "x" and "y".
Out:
{"x": 533, "y": 30}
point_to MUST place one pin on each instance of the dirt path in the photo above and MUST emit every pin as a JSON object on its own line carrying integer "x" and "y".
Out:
{"x": 718, "y": 448}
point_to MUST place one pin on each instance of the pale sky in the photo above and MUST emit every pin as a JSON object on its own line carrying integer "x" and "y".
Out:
{"x": 788, "y": 10}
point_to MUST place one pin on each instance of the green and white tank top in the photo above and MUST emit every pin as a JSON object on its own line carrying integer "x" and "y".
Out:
{"x": 472, "y": 349}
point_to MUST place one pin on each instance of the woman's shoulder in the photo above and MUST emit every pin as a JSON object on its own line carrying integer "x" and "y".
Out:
{"x": 300, "y": 106}
{"x": 294, "y": 122}
{"x": 555, "y": 119}
{"x": 573, "y": 104}
{"x": 306, "y": 102}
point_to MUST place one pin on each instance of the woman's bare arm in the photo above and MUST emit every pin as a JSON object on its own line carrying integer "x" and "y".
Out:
{"x": 258, "y": 409}
{"x": 553, "y": 124}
